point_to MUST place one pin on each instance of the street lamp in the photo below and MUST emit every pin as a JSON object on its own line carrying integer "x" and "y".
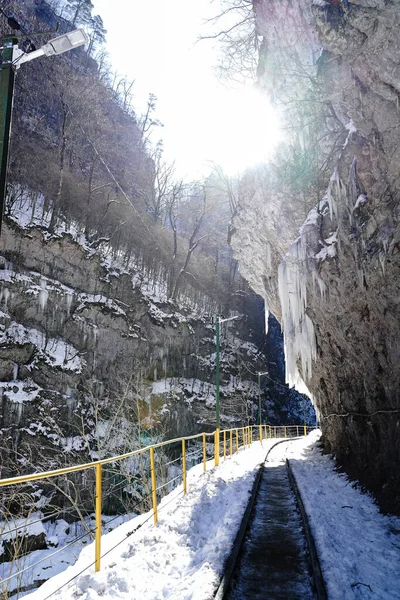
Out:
{"x": 11, "y": 59}
{"x": 218, "y": 321}
{"x": 259, "y": 402}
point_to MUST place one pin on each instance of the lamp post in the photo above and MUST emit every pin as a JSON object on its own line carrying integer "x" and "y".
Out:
{"x": 11, "y": 59}
{"x": 218, "y": 321}
{"x": 259, "y": 402}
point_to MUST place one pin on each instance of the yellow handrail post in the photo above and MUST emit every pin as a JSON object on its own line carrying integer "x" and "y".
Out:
{"x": 261, "y": 436}
{"x": 224, "y": 445}
{"x": 305, "y": 430}
{"x": 275, "y": 430}
{"x": 284, "y": 431}
{"x": 244, "y": 441}
{"x": 98, "y": 518}
{"x": 237, "y": 440}
{"x": 184, "y": 465}
{"x": 153, "y": 484}
{"x": 230, "y": 441}
{"x": 204, "y": 452}
{"x": 297, "y": 430}
{"x": 216, "y": 447}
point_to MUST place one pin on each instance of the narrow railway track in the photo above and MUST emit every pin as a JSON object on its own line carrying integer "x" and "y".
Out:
{"x": 274, "y": 556}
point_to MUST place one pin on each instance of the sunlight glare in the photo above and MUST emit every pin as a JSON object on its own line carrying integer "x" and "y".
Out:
{"x": 245, "y": 130}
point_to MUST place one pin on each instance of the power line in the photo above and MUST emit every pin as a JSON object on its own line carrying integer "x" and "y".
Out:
{"x": 365, "y": 415}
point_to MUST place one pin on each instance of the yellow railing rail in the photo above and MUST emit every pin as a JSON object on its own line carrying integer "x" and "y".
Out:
{"x": 235, "y": 437}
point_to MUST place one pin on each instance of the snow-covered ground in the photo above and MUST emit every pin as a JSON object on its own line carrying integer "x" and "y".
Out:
{"x": 183, "y": 556}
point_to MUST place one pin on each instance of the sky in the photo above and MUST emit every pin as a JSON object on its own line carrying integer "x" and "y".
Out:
{"x": 204, "y": 121}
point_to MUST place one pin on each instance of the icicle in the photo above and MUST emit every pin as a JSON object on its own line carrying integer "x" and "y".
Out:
{"x": 266, "y": 315}
{"x": 360, "y": 274}
{"x": 5, "y": 295}
{"x": 69, "y": 297}
{"x": 298, "y": 329}
{"x": 19, "y": 412}
{"x": 382, "y": 258}
{"x": 43, "y": 294}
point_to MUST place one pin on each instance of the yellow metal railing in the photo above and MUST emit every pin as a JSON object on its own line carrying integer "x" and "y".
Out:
{"x": 232, "y": 440}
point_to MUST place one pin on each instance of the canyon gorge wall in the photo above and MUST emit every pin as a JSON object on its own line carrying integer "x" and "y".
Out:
{"x": 331, "y": 69}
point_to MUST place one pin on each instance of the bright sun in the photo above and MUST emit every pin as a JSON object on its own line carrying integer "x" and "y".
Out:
{"x": 245, "y": 130}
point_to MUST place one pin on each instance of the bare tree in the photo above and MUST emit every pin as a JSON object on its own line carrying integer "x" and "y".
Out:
{"x": 234, "y": 27}
{"x": 195, "y": 237}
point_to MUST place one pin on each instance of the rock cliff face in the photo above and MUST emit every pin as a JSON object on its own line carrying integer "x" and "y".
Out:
{"x": 88, "y": 346}
{"x": 339, "y": 281}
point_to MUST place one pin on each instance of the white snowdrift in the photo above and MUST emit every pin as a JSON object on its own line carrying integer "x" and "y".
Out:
{"x": 182, "y": 557}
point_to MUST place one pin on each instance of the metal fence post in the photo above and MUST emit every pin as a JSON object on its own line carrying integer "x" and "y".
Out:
{"x": 204, "y": 452}
{"x": 184, "y": 466}
{"x": 237, "y": 440}
{"x": 98, "y": 518}
{"x": 244, "y": 439}
{"x": 305, "y": 430}
{"x": 230, "y": 441}
{"x": 224, "y": 445}
{"x": 153, "y": 484}
{"x": 284, "y": 431}
{"x": 216, "y": 447}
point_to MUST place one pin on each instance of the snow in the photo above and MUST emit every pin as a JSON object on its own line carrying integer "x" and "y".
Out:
{"x": 30, "y": 526}
{"x": 202, "y": 391}
{"x": 182, "y": 556}
{"x": 108, "y": 303}
{"x": 53, "y": 351}
{"x": 58, "y": 535}
{"x": 356, "y": 544}
{"x": 20, "y": 392}
{"x": 362, "y": 198}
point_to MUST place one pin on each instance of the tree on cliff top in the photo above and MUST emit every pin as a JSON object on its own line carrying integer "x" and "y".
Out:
{"x": 81, "y": 11}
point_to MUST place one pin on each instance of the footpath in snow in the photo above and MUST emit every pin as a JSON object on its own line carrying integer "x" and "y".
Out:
{"x": 182, "y": 557}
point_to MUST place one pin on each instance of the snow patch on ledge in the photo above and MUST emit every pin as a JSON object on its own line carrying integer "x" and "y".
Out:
{"x": 55, "y": 352}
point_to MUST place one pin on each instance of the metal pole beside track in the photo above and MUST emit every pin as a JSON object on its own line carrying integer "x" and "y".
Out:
{"x": 98, "y": 518}
{"x": 153, "y": 484}
{"x": 184, "y": 466}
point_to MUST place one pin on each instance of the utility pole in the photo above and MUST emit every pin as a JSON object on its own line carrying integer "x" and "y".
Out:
{"x": 259, "y": 402}
{"x": 11, "y": 59}
{"x": 6, "y": 101}
{"x": 218, "y": 321}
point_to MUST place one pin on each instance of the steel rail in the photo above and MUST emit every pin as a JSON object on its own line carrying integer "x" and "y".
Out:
{"x": 232, "y": 559}
{"x": 317, "y": 576}
{"x": 230, "y": 564}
